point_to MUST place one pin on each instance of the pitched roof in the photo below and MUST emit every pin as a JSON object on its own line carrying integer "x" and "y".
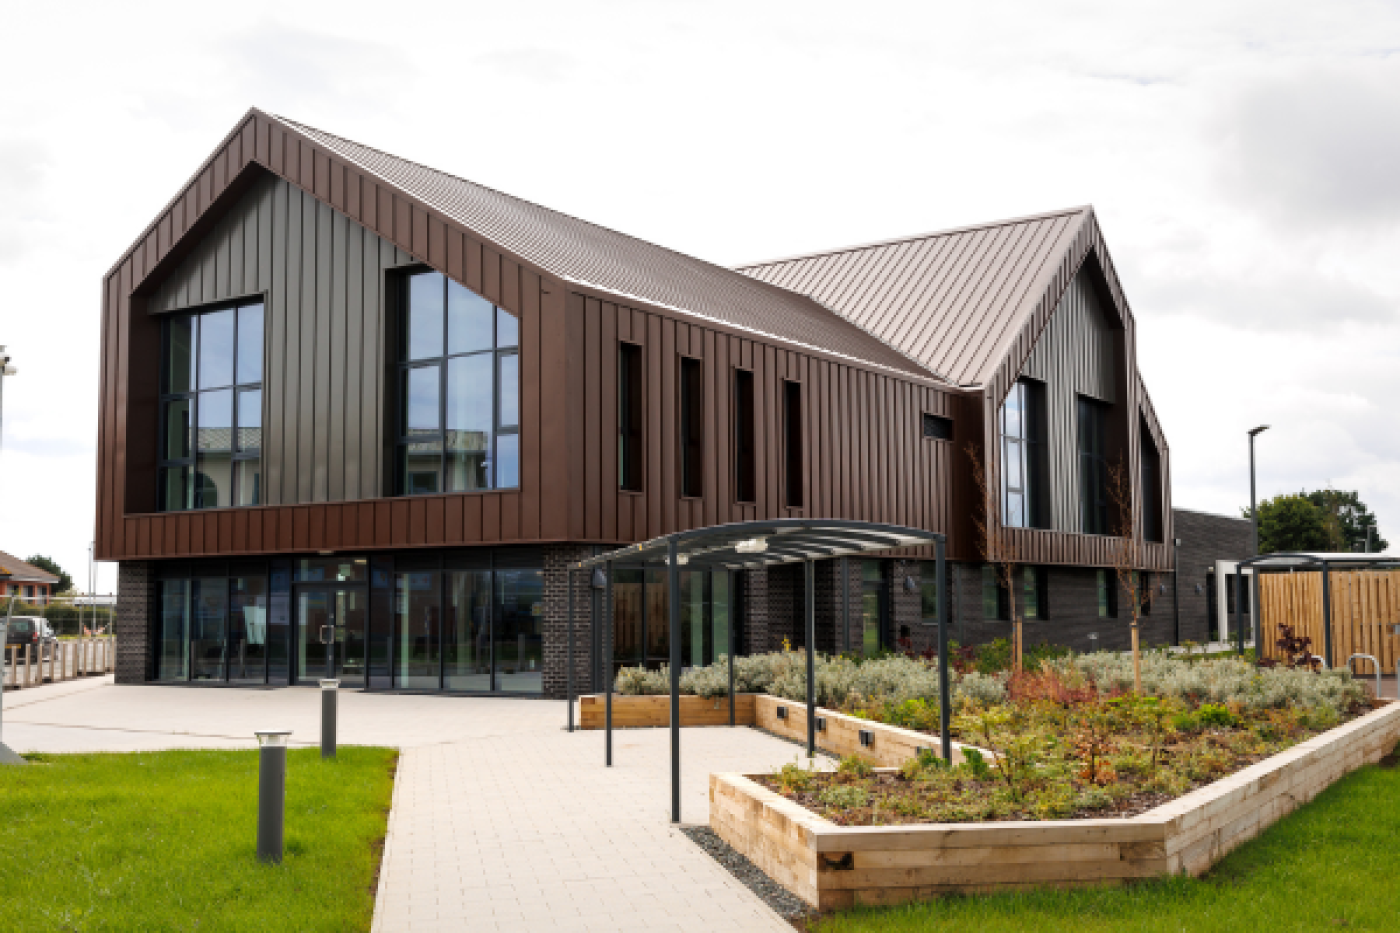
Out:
{"x": 626, "y": 267}
{"x": 953, "y": 300}
{"x": 14, "y": 569}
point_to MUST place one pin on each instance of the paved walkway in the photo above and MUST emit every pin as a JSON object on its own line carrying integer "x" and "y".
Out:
{"x": 501, "y": 820}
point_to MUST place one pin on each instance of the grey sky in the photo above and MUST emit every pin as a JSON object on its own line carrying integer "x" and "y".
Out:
{"x": 1244, "y": 159}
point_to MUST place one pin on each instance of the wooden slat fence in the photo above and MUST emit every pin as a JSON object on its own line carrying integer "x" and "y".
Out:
{"x": 1365, "y": 608}
{"x": 69, "y": 659}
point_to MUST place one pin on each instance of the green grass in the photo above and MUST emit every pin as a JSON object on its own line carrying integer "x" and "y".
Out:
{"x": 168, "y": 841}
{"x": 1333, "y": 865}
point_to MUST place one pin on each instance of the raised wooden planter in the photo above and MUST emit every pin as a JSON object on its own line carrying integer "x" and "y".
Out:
{"x": 834, "y": 867}
{"x": 839, "y": 734}
{"x": 654, "y": 712}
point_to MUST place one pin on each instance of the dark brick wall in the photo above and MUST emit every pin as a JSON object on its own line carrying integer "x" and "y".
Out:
{"x": 1205, "y": 538}
{"x": 135, "y": 604}
{"x": 557, "y": 558}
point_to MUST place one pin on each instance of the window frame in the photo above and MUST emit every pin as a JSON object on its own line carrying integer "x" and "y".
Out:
{"x": 940, "y": 422}
{"x": 794, "y": 440}
{"x": 191, "y": 396}
{"x": 631, "y": 417}
{"x": 1030, "y": 455}
{"x": 690, "y": 426}
{"x": 745, "y": 436}
{"x": 1106, "y": 593}
{"x": 403, "y": 366}
{"x": 1092, "y": 458}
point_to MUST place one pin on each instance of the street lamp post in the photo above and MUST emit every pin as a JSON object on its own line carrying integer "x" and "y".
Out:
{"x": 1253, "y": 506}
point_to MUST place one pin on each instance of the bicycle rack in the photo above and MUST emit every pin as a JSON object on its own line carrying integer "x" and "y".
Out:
{"x": 1372, "y": 659}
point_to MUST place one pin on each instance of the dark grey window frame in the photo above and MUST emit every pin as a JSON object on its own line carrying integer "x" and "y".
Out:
{"x": 192, "y": 397}
{"x": 401, "y": 436}
{"x": 1091, "y": 417}
{"x": 690, "y": 422}
{"x": 745, "y": 436}
{"x": 936, "y": 427}
{"x": 1028, "y": 449}
{"x": 631, "y": 417}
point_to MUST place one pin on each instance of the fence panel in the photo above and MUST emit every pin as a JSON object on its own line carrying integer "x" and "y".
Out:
{"x": 1365, "y": 610}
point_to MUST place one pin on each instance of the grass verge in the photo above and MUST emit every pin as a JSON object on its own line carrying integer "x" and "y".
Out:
{"x": 1333, "y": 865}
{"x": 168, "y": 841}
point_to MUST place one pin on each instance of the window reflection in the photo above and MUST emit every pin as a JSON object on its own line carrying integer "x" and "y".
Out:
{"x": 211, "y": 439}
{"x": 459, "y": 407}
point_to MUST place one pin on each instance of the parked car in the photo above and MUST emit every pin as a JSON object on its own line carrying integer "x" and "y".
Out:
{"x": 31, "y": 630}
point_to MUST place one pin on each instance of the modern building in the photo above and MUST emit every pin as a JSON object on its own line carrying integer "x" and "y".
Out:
{"x": 24, "y": 580}
{"x": 359, "y": 415}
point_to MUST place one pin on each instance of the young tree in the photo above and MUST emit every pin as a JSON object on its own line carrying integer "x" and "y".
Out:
{"x": 65, "y": 582}
{"x": 998, "y": 549}
{"x": 1129, "y": 553}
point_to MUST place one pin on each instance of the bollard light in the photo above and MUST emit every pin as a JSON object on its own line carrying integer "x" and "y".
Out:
{"x": 329, "y": 690}
{"x": 272, "y": 791}
{"x": 1093, "y": 642}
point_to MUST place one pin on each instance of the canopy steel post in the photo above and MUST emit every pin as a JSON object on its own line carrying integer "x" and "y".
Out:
{"x": 569, "y": 671}
{"x": 810, "y": 616}
{"x": 729, "y": 616}
{"x": 607, "y": 665}
{"x": 1256, "y": 613}
{"x": 673, "y": 597}
{"x": 845, "y": 604}
{"x": 1239, "y": 602}
{"x": 945, "y": 692}
{"x": 1327, "y": 612}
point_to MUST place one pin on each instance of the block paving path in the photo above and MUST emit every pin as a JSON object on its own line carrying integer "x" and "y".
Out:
{"x": 502, "y": 821}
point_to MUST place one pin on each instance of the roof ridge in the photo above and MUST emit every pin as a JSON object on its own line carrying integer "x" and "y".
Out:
{"x": 875, "y": 244}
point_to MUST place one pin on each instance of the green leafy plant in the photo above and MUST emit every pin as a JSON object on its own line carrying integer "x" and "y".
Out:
{"x": 855, "y": 766}
{"x": 844, "y": 796}
{"x": 1215, "y": 714}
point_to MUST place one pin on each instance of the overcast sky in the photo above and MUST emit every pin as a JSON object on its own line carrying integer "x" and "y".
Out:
{"x": 1244, "y": 159}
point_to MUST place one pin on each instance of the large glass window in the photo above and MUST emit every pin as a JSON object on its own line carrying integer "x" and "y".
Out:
{"x": 1093, "y": 466}
{"x": 872, "y": 607}
{"x": 211, "y": 409}
{"x": 642, "y": 625}
{"x": 1024, "y": 482}
{"x": 212, "y": 622}
{"x": 1151, "y": 485}
{"x": 459, "y": 390}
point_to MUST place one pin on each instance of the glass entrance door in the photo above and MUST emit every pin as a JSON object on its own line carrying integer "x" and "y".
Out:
{"x": 331, "y": 634}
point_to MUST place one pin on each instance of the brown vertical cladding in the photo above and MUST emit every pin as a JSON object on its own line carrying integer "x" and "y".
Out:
{"x": 324, "y": 392}
{"x": 1089, "y": 253}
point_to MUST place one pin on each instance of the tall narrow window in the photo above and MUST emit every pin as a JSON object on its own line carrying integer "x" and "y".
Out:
{"x": 1151, "y": 485}
{"x": 629, "y": 417}
{"x": 1093, "y": 467}
{"x": 459, "y": 390}
{"x": 1108, "y": 594}
{"x": 745, "y": 481}
{"x": 792, "y": 444}
{"x": 211, "y": 409}
{"x": 692, "y": 404}
{"x": 1024, "y": 479}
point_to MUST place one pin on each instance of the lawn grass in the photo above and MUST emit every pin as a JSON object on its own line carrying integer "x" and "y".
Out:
{"x": 168, "y": 840}
{"x": 1333, "y": 865}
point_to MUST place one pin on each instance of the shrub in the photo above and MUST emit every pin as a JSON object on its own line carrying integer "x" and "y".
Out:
{"x": 1214, "y": 714}
{"x": 854, "y": 766}
{"x": 844, "y": 796}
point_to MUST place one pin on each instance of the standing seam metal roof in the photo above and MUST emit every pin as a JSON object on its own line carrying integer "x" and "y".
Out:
{"x": 597, "y": 257}
{"x": 949, "y": 299}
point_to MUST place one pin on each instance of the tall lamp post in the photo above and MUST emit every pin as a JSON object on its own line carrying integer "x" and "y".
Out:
{"x": 1254, "y": 551}
{"x": 1253, "y": 506}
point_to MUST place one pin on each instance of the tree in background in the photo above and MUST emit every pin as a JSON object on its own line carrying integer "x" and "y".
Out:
{"x": 1292, "y": 523}
{"x": 1129, "y": 552}
{"x": 65, "y": 582}
{"x": 1348, "y": 519}
{"x": 998, "y": 549}
{"x": 1333, "y": 520}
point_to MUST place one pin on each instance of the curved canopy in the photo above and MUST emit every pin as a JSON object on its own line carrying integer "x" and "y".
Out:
{"x": 747, "y": 545}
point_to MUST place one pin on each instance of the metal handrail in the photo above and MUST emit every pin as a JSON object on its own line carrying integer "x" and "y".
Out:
{"x": 1372, "y": 659}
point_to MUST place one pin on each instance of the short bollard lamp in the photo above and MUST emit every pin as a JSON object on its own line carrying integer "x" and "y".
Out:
{"x": 272, "y": 791}
{"x": 329, "y": 691}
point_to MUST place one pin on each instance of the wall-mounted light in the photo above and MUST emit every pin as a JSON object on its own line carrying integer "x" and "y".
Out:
{"x": 325, "y": 553}
{"x": 1198, "y": 589}
{"x": 782, "y": 712}
{"x": 821, "y": 723}
{"x": 599, "y": 579}
{"x": 867, "y": 738}
{"x": 910, "y": 585}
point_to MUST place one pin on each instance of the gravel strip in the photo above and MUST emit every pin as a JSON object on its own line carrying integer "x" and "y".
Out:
{"x": 788, "y": 905}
